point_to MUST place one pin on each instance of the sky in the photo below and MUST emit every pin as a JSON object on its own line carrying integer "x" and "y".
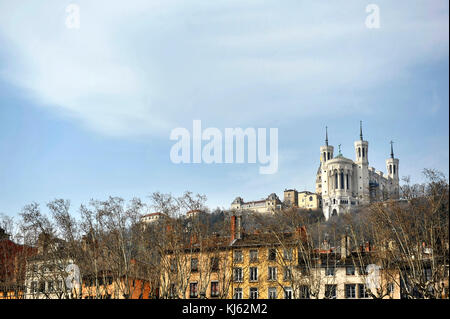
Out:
{"x": 86, "y": 113}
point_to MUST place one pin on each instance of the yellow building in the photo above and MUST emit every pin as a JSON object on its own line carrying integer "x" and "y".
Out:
{"x": 268, "y": 266}
{"x": 309, "y": 200}
{"x": 291, "y": 197}
{"x": 269, "y": 205}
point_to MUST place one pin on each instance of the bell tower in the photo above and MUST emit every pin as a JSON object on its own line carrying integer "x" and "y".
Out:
{"x": 362, "y": 168}
{"x": 392, "y": 172}
{"x": 362, "y": 148}
{"x": 326, "y": 151}
{"x": 326, "y": 154}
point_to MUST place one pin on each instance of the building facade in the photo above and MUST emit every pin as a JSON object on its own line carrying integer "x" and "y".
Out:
{"x": 309, "y": 200}
{"x": 268, "y": 205}
{"x": 344, "y": 183}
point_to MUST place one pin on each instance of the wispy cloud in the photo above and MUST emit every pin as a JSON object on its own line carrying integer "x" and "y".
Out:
{"x": 142, "y": 67}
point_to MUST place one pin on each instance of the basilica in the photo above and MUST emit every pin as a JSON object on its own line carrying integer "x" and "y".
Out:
{"x": 344, "y": 183}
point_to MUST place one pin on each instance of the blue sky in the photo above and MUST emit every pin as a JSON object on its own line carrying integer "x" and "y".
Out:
{"x": 87, "y": 113}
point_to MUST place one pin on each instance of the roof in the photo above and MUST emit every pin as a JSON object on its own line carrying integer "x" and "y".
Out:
{"x": 194, "y": 211}
{"x": 153, "y": 214}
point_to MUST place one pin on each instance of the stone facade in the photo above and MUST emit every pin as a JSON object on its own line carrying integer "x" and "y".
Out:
{"x": 268, "y": 205}
{"x": 344, "y": 183}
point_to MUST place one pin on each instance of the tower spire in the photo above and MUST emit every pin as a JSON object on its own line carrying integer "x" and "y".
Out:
{"x": 392, "y": 150}
{"x": 326, "y": 135}
{"x": 360, "y": 130}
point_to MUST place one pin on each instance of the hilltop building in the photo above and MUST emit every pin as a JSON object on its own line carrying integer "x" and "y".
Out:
{"x": 268, "y": 205}
{"x": 344, "y": 183}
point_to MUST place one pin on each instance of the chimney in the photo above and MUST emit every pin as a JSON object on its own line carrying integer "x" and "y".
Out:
{"x": 345, "y": 246}
{"x": 300, "y": 231}
{"x": 236, "y": 227}
{"x": 193, "y": 239}
{"x": 43, "y": 241}
{"x": 233, "y": 228}
{"x": 239, "y": 227}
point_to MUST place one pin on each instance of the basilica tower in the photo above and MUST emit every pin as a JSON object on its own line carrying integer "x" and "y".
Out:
{"x": 326, "y": 154}
{"x": 392, "y": 172}
{"x": 362, "y": 168}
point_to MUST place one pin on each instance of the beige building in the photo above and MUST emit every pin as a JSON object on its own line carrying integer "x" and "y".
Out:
{"x": 266, "y": 266}
{"x": 268, "y": 205}
{"x": 309, "y": 200}
{"x": 153, "y": 217}
{"x": 291, "y": 197}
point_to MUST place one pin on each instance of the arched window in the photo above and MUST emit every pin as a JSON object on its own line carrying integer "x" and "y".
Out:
{"x": 346, "y": 179}
{"x": 359, "y": 151}
{"x": 364, "y": 152}
{"x": 334, "y": 212}
{"x": 324, "y": 156}
{"x": 394, "y": 169}
{"x": 390, "y": 169}
{"x": 342, "y": 180}
{"x": 328, "y": 155}
{"x": 335, "y": 181}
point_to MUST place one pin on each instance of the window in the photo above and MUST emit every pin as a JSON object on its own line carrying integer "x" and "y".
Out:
{"x": 390, "y": 288}
{"x": 172, "y": 291}
{"x": 193, "y": 291}
{"x": 350, "y": 291}
{"x": 287, "y": 292}
{"x": 272, "y": 254}
{"x": 310, "y": 198}
{"x": 42, "y": 286}
{"x": 237, "y": 293}
{"x": 272, "y": 293}
{"x": 362, "y": 293}
{"x": 304, "y": 292}
{"x": 272, "y": 273}
{"x": 350, "y": 270}
{"x": 194, "y": 264}
{"x": 330, "y": 291}
{"x": 50, "y": 286}
{"x": 238, "y": 257}
{"x": 34, "y": 287}
{"x": 173, "y": 265}
{"x": 214, "y": 289}
{"x": 253, "y": 273}
{"x": 253, "y": 255}
{"x": 253, "y": 293}
{"x": 287, "y": 273}
{"x": 287, "y": 254}
{"x": 214, "y": 264}
{"x": 362, "y": 270}
{"x": 359, "y": 151}
{"x": 237, "y": 274}
{"x": 329, "y": 271}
